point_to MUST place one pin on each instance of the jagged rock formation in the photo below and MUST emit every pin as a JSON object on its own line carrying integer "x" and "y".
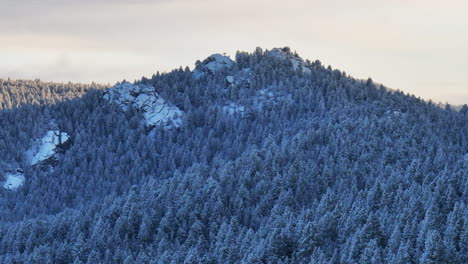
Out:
{"x": 212, "y": 64}
{"x": 286, "y": 54}
{"x": 241, "y": 79}
{"x": 144, "y": 98}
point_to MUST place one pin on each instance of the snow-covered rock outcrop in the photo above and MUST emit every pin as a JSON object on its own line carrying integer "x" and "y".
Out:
{"x": 212, "y": 64}
{"x": 47, "y": 147}
{"x": 242, "y": 78}
{"x": 144, "y": 98}
{"x": 268, "y": 98}
{"x": 286, "y": 54}
{"x": 232, "y": 108}
{"x": 264, "y": 99}
{"x": 13, "y": 179}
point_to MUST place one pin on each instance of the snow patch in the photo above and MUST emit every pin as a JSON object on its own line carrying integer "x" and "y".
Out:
{"x": 394, "y": 113}
{"x": 230, "y": 79}
{"x": 267, "y": 98}
{"x": 144, "y": 98}
{"x": 263, "y": 100}
{"x": 46, "y": 147}
{"x": 212, "y": 64}
{"x": 286, "y": 54}
{"x": 233, "y": 108}
{"x": 14, "y": 180}
{"x": 242, "y": 78}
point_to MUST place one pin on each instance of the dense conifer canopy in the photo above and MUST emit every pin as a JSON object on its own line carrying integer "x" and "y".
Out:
{"x": 272, "y": 164}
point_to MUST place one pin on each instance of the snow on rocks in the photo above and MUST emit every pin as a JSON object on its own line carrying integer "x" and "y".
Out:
{"x": 230, "y": 79}
{"x": 264, "y": 99}
{"x": 286, "y": 54}
{"x": 47, "y": 147}
{"x": 232, "y": 108}
{"x": 392, "y": 114}
{"x": 144, "y": 98}
{"x": 242, "y": 78}
{"x": 216, "y": 62}
{"x": 13, "y": 179}
{"x": 212, "y": 64}
{"x": 268, "y": 98}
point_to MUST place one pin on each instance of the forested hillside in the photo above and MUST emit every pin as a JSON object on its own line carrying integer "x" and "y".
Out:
{"x": 15, "y": 93}
{"x": 267, "y": 158}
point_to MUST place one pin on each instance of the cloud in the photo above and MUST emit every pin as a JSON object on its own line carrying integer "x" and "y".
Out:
{"x": 396, "y": 42}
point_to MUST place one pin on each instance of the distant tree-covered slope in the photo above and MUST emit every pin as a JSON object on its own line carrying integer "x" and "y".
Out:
{"x": 14, "y": 93}
{"x": 276, "y": 160}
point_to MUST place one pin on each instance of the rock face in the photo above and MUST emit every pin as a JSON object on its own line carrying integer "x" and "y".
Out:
{"x": 241, "y": 79}
{"x": 13, "y": 179}
{"x": 212, "y": 64}
{"x": 268, "y": 98}
{"x": 47, "y": 148}
{"x": 144, "y": 98}
{"x": 286, "y": 54}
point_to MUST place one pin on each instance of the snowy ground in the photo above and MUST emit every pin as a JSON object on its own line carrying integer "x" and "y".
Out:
{"x": 145, "y": 99}
{"x": 46, "y": 146}
{"x": 14, "y": 180}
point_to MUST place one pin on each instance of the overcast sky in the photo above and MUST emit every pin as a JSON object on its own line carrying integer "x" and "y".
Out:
{"x": 418, "y": 46}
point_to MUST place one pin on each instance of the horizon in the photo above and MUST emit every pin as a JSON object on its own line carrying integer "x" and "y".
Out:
{"x": 413, "y": 46}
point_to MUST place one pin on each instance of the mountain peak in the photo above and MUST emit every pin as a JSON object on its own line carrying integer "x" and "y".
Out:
{"x": 212, "y": 64}
{"x": 286, "y": 54}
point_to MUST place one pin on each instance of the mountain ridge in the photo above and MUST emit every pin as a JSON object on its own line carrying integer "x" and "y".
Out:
{"x": 273, "y": 165}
